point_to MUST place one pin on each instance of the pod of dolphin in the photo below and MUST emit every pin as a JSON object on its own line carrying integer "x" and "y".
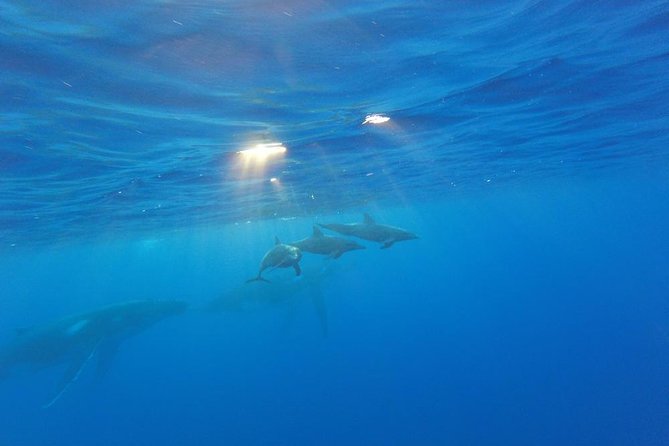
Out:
{"x": 75, "y": 340}
{"x": 289, "y": 255}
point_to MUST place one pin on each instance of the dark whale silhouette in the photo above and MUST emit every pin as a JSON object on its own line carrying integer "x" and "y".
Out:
{"x": 76, "y": 339}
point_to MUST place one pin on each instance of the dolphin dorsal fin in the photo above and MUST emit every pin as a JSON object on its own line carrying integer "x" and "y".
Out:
{"x": 368, "y": 219}
{"x": 276, "y": 240}
{"x": 317, "y": 232}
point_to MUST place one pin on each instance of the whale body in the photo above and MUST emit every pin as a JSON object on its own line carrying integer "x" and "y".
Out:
{"x": 76, "y": 339}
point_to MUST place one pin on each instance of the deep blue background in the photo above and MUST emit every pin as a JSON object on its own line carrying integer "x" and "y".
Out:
{"x": 527, "y": 147}
{"x": 524, "y": 316}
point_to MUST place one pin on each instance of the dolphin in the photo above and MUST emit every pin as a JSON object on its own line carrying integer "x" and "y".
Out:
{"x": 281, "y": 256}
{"x": 319, "y": 243}
{"x": 76, "y": 339}
{"x": 372, "y": 231}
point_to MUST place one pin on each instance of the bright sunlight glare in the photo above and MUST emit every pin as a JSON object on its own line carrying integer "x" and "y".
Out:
{"x": 260, "y": 152}
{"x": 375, "y": 119}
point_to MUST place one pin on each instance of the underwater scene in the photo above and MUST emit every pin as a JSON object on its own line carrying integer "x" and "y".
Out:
{"x": 310, "y": 222}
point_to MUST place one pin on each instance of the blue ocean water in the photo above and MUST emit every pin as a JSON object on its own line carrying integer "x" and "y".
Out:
{"x": 526, "y": 146}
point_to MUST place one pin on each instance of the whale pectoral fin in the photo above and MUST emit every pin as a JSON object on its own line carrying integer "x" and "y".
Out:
{"x": 4, "y": 372}
{"x": 368, "y": 219}
{"x": 298, "y": 270}
{"x": 321, "y": 310}
{"x": 336, "y": 254}
{"x": 288, "y": 322}
{"x": 106, "y": 355}
{"x": 71, "y": 374}
{"x": 387, "y": 244}
{"x": 22, "y": 331}
{"x": 226, "y": 302}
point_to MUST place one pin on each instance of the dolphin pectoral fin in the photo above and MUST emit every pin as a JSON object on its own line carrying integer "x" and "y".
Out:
{"x": 387, "y": 244}
{"x": 321, "y": 310}
{"x": 71, "y": 374}
{"x": 298, "y": 270}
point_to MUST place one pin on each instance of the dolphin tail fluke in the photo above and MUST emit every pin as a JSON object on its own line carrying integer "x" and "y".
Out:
{"x": 258, "y": 279}
{"x": 321, "y": 310}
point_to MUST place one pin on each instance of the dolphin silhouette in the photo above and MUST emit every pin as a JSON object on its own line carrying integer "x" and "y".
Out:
{"x": 281, "y": 256}
{"x": 372, "y": 231}
{"x": 319, "y": 243}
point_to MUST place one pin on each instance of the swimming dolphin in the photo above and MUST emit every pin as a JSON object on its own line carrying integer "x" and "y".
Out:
{"x": 281, "y": 256}
{"x": 76, "y": 339}
{"x": 320, "y": 243}
{"x": 372, "y": 231}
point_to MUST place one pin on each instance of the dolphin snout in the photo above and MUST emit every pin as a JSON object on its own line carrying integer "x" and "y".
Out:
{"x": 407, "y": 236}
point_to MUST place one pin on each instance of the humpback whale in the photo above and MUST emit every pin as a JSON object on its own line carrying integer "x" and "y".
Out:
{"x": 320, "y": 243}
{"x": 281, "y": 256}
{"x": 283, "y": 294}
{"x": 75, "y": 340}
{"x": 372, "y": 231}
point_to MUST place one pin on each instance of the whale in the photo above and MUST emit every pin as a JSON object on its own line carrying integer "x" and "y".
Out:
{"x": 75, "y": 340}
{"x": 369, "y": 230}
{"x": 280, "y": 256}
{"x": 283, "y": 295}
{"x": 319, "y": 243}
